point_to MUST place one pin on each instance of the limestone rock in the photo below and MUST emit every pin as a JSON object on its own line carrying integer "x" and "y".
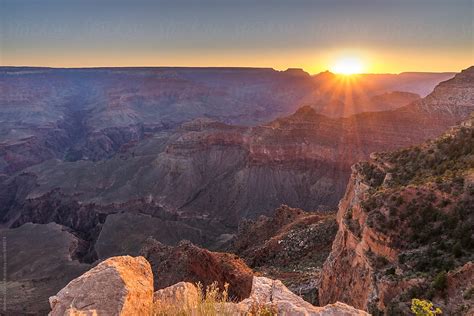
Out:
{"x": 117, "y": 286}
{"x": 182, "y": 293}
{"x": 273, "y": 293}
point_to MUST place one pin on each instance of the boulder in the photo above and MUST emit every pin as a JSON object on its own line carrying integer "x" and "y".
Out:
{"x": 275, "y": 295}
{"x": 116, "y": 286}
{"x": 267, "y": 294}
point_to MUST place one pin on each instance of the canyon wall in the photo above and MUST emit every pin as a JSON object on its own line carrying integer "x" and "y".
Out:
{"x": 405, "y": 226}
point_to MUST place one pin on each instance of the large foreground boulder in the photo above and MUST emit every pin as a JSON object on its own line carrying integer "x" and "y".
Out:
{"x": 117, "y": 286}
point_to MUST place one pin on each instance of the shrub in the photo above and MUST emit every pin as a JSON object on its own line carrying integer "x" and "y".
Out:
{"x": 257, "y": 309}
{"x": 440, "y": 281}
{"x": 457, "y": 250}
{"x": 469, "y": 293}
{"x": 390, "y": 271}
{"x": 424, "y": 308}
{"x": 211, "y": 302}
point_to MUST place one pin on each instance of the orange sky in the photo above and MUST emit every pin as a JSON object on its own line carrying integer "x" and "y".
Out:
{"x": 387, "y": 36}
{"x": 373, "y": 61}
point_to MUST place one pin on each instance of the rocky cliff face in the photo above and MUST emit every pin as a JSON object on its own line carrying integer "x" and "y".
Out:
{"x": 290, "y": 246}
{"x": 405, "y": 227}
{"x": 187, "y": 262}
{"x": 454, "y": 96}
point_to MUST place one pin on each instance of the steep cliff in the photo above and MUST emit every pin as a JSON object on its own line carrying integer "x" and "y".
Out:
{"x": 405, "y": 229}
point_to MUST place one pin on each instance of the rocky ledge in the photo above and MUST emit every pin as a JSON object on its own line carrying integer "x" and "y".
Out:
{"x": 124, "y": 286}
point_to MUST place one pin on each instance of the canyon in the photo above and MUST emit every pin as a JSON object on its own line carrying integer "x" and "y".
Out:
{"x": 91, "y": 113}
{"x": 111, "y": 162}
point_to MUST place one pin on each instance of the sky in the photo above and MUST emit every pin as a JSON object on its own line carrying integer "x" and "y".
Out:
{"x": 386, "y": 36}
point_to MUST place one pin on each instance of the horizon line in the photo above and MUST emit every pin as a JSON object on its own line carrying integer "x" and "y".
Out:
{"x": 226, "y": 67}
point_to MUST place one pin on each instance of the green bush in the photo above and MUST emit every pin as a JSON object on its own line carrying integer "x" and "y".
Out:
{"x": 457, "y": 250}
{"x": 440, "y": 281}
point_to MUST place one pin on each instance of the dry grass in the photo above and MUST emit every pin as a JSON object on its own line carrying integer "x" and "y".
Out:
{"x": 211, "y": 302}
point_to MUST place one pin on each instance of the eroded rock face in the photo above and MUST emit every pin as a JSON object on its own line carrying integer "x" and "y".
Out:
{"x": 454, "y": 96}
{"x": 405, "y": 220}
{"x": 117, "y": 286}
{"x": 289, "y": 236}
{"x": 347, "y": 273}
{"x": 291, "y": 246}
{"x": 187, "y": 262}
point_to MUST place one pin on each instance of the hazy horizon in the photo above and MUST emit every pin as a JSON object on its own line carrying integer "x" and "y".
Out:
{"x": 388, "y": 37}
{"x": 230, "y": 67}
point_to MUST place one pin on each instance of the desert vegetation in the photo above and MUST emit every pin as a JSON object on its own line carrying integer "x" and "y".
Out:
{"x": 422, "y": 200}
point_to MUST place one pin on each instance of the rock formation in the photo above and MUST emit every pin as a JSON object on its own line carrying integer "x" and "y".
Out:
{"x": 267, "y": 295}
{"x": 290, "y": 246}
{"x": 116, "y": 286}
{"x": 123, "y": 286}
{"x": 91, "y": 114}
{"x": 302, "y": 160}
{"x": 405, "y": 229}
{"x": 187, "y": 262}
{"x": 273, "y": 293}
{"x": 183, "y": 294}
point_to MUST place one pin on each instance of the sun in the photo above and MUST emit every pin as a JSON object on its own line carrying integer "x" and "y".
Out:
{"x": 348, "y": 66}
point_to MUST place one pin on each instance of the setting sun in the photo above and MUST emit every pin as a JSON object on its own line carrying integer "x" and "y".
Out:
{"x": 348, "y": 66}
